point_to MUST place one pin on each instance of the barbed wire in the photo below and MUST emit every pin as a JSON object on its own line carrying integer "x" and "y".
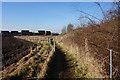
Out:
{"x": 105, "y": 57}
{"x": 103, "y": 47}
{"x": 107, "y": 62}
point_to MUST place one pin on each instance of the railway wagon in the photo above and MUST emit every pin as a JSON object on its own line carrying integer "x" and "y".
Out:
{"x": 25, "y": 32}
{"x": 55, "y": 34}
{"x": 14, "y": 32}
{"x": 5, "y": 32}
{"x": 31, "y": 33}
{"x": 41, "y": 32}
{"x": 48, "y": 33}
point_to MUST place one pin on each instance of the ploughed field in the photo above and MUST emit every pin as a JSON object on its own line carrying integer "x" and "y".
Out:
{"x": 22, "y": 59}
{"x": 14, "y": 49}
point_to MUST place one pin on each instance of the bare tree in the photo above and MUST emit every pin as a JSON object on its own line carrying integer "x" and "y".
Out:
{"x": 82, "y": 21}
{"x": 114, "y": 12}
{"x": 90, "y": 22}
{"x": 69, "y": 28}
{"x": 64, "y": 31}
{"x": 89, "y": 15}
{"x": 101, "y": 9}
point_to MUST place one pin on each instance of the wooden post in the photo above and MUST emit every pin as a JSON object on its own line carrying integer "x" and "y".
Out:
{"x": 86, "y": 50}
{"x": 37, "y": 58}
{"x": 54, "y": 43}
{"x": 30, "y": 49}
{"x": 48, "y": 39}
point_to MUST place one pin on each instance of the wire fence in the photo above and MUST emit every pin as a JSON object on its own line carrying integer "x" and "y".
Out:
{"x": 110, "y": 54}
{"x": 39, "y": 40}
{"x": 37, "y": 53}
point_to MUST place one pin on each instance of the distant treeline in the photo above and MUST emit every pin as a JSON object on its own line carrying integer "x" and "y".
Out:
{"x": 27, "y": 32}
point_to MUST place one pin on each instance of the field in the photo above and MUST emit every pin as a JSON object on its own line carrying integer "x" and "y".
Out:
{"x": 61, "y": 40}
{"x": 82, "y": 53}
{"x": 41, "y": 62}
{"x": 20, "y": 59}
{"x": 14, "y": 49}
{"x": 73, "y": 56}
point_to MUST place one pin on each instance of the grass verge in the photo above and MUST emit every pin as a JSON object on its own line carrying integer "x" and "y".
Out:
{"x": 64, "y": 65}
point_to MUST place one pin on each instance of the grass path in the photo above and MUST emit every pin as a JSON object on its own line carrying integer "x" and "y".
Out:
{"x": 64, "y": 65}
{"x": 57, "y": 65}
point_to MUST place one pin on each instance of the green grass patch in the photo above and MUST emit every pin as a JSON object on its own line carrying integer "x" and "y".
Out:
{"x": 77, "y": 70}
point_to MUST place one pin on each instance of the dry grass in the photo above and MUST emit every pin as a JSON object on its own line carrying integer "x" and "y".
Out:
{"x": 27, "y": 66}
{"x": 105, "y": 35}
{"x": 13, "y": 50}
{"x": 75, "y": 69}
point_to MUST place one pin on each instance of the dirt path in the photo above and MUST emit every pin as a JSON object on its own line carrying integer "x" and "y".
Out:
{"x": 57, "y": 65}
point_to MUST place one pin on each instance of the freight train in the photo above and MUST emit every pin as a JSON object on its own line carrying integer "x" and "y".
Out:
{"x": 27, "y": 32}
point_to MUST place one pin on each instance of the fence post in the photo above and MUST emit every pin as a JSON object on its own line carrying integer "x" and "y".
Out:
{"x": 30, "y": 49}
{"x": 110, "y": 63}
{"x": 54, "y": 43}
{"x": 48, "y": 39}
{"x": 86, "y": 45}
{"x": 49, "y": 45}
{"x": 86, "y": 50}
{"x": 37, "y": 57}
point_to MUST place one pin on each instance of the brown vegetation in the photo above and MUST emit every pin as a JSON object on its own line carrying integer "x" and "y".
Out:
{"x": 100, "y": 38}
{"x": 31, "y": 64}
{"x": 13, "y": 50}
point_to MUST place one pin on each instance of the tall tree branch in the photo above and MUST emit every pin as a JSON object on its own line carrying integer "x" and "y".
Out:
{"x": 101, "y": 9}
{"x": 89, "y": 15}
